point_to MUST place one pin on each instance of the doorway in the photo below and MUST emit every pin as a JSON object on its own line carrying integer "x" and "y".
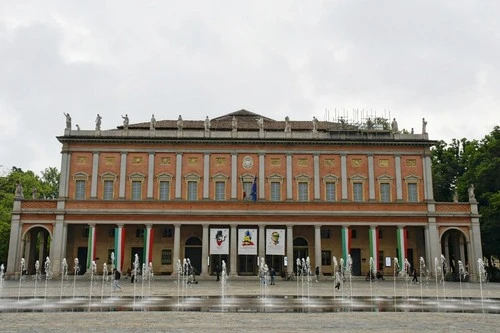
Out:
{"x": 356, "y": 261}
{"x": 192, "y": 251}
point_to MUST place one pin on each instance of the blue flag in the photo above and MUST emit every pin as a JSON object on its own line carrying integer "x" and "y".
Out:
{"x": 253, "y": 195}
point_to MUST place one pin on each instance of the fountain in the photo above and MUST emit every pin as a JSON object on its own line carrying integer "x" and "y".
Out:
{"x": 422, "y": 269}
{"x": 348, "y": 271}
{"x": 461, "y": 272}
{"x": 299, "y": 273}
{"x": 93, "y": 270}
{"x": 22, "y": 267}
{"x": 48, "y": 275}
{"x": 336, "y": 276}
{"x": 76, "y": 269}
{"x": 64, "y": 276}
{"x": 104, "y": 279}
{"x": 395, "y": 264}
{"x": 371, "y": 273}
{"x": 406, "y": 271}
{"x": 135, "y": 271}
{"x": 482, "y": 278}
{"x": 112, "y": 257}
{"x": 223, "y": 281}
{"x": 443, "y": 274}
{"x": 37, "y": 276}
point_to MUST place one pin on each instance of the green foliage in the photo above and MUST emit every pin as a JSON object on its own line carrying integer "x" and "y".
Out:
{"x": 46, "y": 186}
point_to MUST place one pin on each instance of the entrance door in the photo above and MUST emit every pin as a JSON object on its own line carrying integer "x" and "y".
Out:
{"x": 409, "y": 256}
{"x": 81, "y": 254}
{"x": 276, "y": 262}
{"x": 140, "y": 254}
{"x": 247, "y": 264}
{"x": 216, "y": 262}
{"x": 356, "y": 261}
{"x": 194, "y": 255}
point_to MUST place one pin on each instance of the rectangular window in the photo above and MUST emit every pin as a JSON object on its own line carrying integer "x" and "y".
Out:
{"x": 80, "y": 190}
{"x": 354, "y": 234}
{"x": 330, "y": 191}
{"x": 325, "y": 233}
{"x": 326, "y": 258}
{"x": 385, "y": 192}
{"x": 86, "y": 232}
{"x": 380, "y": 234}
{"x": 220, "y": 190}
{"x": 412, "y": 192}
{"x": 136, "y": 190}
{"x": 139, "y": 232}
{"x": 108, "y": 190}
{"x": 275, "y": 191}
{"x": 111, "y": 233}
{"x": 164, "y": 190}
{"x": 192, "y": 190}
{"x": 303, "y": 191}
{"x": 247, "y": 187}
{"x": 381, "y": 260}
{"x": 166, "y": 257}
{"x": 357, "y": 192}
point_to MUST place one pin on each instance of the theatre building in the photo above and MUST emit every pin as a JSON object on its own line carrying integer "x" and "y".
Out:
{"x": 241, "y": 187}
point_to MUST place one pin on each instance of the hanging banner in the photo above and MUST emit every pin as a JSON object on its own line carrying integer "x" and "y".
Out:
{"x": 219, "y": 241}
{"x": 247, "y": 241}
{"x": 275, "y": 242}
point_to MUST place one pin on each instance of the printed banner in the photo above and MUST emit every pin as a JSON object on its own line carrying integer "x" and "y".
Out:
{"x": 247, "y": 241}
{"x": 219, "y": 241}
{"x": 275, "y": 242}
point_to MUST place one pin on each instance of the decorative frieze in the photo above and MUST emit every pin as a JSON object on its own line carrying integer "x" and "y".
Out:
{"x": 329, "y": 162}
{"x": 384, "y": 163}
{"x": 165, "y": 161}
{"x": 302, "y": 162}
{"x": 356, "y": 162}
{"x": 411, "y": 162}
{"x": 81, "y": 159}
{"x": 220, "y": 161}
{"x": 109, "y": 160}
{"x": 275, "y": 161}
{"x": 137, "y": 160}
{"x": 192, "y": 160}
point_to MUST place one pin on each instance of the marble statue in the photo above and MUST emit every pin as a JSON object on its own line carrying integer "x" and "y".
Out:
{"x": 207, "y": 124}
{"x": 394, "y": 126}
{"x": 424, "y": 126}
{"x": 315, "y": 124}
{"x": 234, "y": 123}
{"x": 68, "y": 120}
{"x": 98, "y": 122}
{"x": 152, "y": 123}
{"x": 472, "y": 196}
{"x": 260, "y": 123}
{"x": 125, "y": 122}
{"x": 19, "y": 191}
{"x": 369, "y": 124}
{"x": 288, "y": 126}
{"x": 180, "y": 123}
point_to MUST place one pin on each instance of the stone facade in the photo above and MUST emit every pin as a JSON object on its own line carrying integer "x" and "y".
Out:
{"x": 332, "y": 190}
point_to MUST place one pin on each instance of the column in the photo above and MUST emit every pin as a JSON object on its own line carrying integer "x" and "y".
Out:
{"x": 317, "y": 247}
{"x": 148, "y": 245}
{"x": 206, "y": 175}
{"x": 477, "y": 251}
{"x": 262, "y": 241}
{"x": 262, "y": 177}
{"x": 434, "y": 242}
{"x": 399, "y": 186}
{"x": 123, "y": 175}
{"x": 178, "y": 178}
{"x": 401, "y": 239}
{"x": 373, "y": 235}
{"x": 234, "y": 176}
{"x": 289, "y": 248}
{"x": 346, "y": 242}
{"x": 316, "y": 177}
{"x": 427, "y": 164}
{"x": 233, "y": 254}
{"x": 14, "y": 242}
{"x": 91, "y": 246}
{"x": 204, "y": 251}
{"x": 371, "y": 178}
{"x": 151, "y": 173}
{"x": 289, "y": 179}
{"x": 95, "y": 175}
{"x": 56, "y": 253}
{"x": 119, "y": 247}
{"x": 63, "y": 183}
{"x": 343, "y": 176}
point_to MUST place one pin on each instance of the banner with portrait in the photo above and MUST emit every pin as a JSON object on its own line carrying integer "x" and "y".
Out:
{"x": 247, "y": 241}
{"x": 219, "y": 241}
{"x": 275, "y": 242}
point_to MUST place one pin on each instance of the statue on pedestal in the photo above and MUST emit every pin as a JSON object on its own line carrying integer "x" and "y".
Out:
{"x": 234, "y": 123}
{"x": 472, "y": 196}
{"x": 152, "y": 123}
{"x": 68, "y": 120}
{"x": 260, "y": 123}
{"x": 19, "y": 191}
{"x": 180, "y": 123}
{"x": 315, "y": 124}
{"x": 125, "y": 122}
{"x": 424, "y": 126}
{"x": 394, "y": 126}
{"x": 288, "y": 126}
{"x": 207, "y": 124}
{"x": 98, "y": 122}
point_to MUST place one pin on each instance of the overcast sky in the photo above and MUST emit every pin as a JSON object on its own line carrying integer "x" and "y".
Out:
{"x": 438, "y": 60}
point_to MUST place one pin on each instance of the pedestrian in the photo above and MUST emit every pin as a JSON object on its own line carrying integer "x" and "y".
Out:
{"x": 317, "y": 273}
{"x": 337, "y": 280}
{"x": 217, "y": 272}
{"x": 415, "y": 279}
{"x": 117, "y": 276}
{"x": 273, "y": 276}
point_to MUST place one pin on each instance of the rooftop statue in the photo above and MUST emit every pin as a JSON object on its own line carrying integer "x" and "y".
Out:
{"x": 394, "y": 126}
{"x": 98, "y": 122}
{"x": 424, "y": 126}
{"x": 180, "y": 123}
{"x": 472, "y": 196}
{"x": 260, "y": 123}
{"x": 152, "y": 123}
{"x": 288, "y": 126}
{"x": 19, "y": 191}
{"x": 68, "y": 120}
{"x": 315, "y": 124}
{"x": 369, "y": 124}
{"x": 125, "y": 122}
{"x": 207, "y": 124}
{"x": 234, "y": 123}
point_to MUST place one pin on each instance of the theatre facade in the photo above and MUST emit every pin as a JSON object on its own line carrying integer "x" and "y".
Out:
{"x": 241, "y": 187}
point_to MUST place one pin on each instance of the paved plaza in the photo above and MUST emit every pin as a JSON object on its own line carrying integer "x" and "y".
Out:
{"x": 349, "y": 320}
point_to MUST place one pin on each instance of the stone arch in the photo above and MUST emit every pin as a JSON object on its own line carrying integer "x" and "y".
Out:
{"x": 455, "y": 247}
{"x": 35, "y": 242}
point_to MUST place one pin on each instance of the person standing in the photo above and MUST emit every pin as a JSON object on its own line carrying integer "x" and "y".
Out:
{"x": 317, "y": 273}
{"x": 117, "y": 276}
{"x": 217, "y": 272}
{"x": 273, "y": 276}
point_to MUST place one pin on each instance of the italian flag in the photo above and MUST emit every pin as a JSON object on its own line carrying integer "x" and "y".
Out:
{"x": 402, "y": 232}
{"x": 91, "y": 247}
